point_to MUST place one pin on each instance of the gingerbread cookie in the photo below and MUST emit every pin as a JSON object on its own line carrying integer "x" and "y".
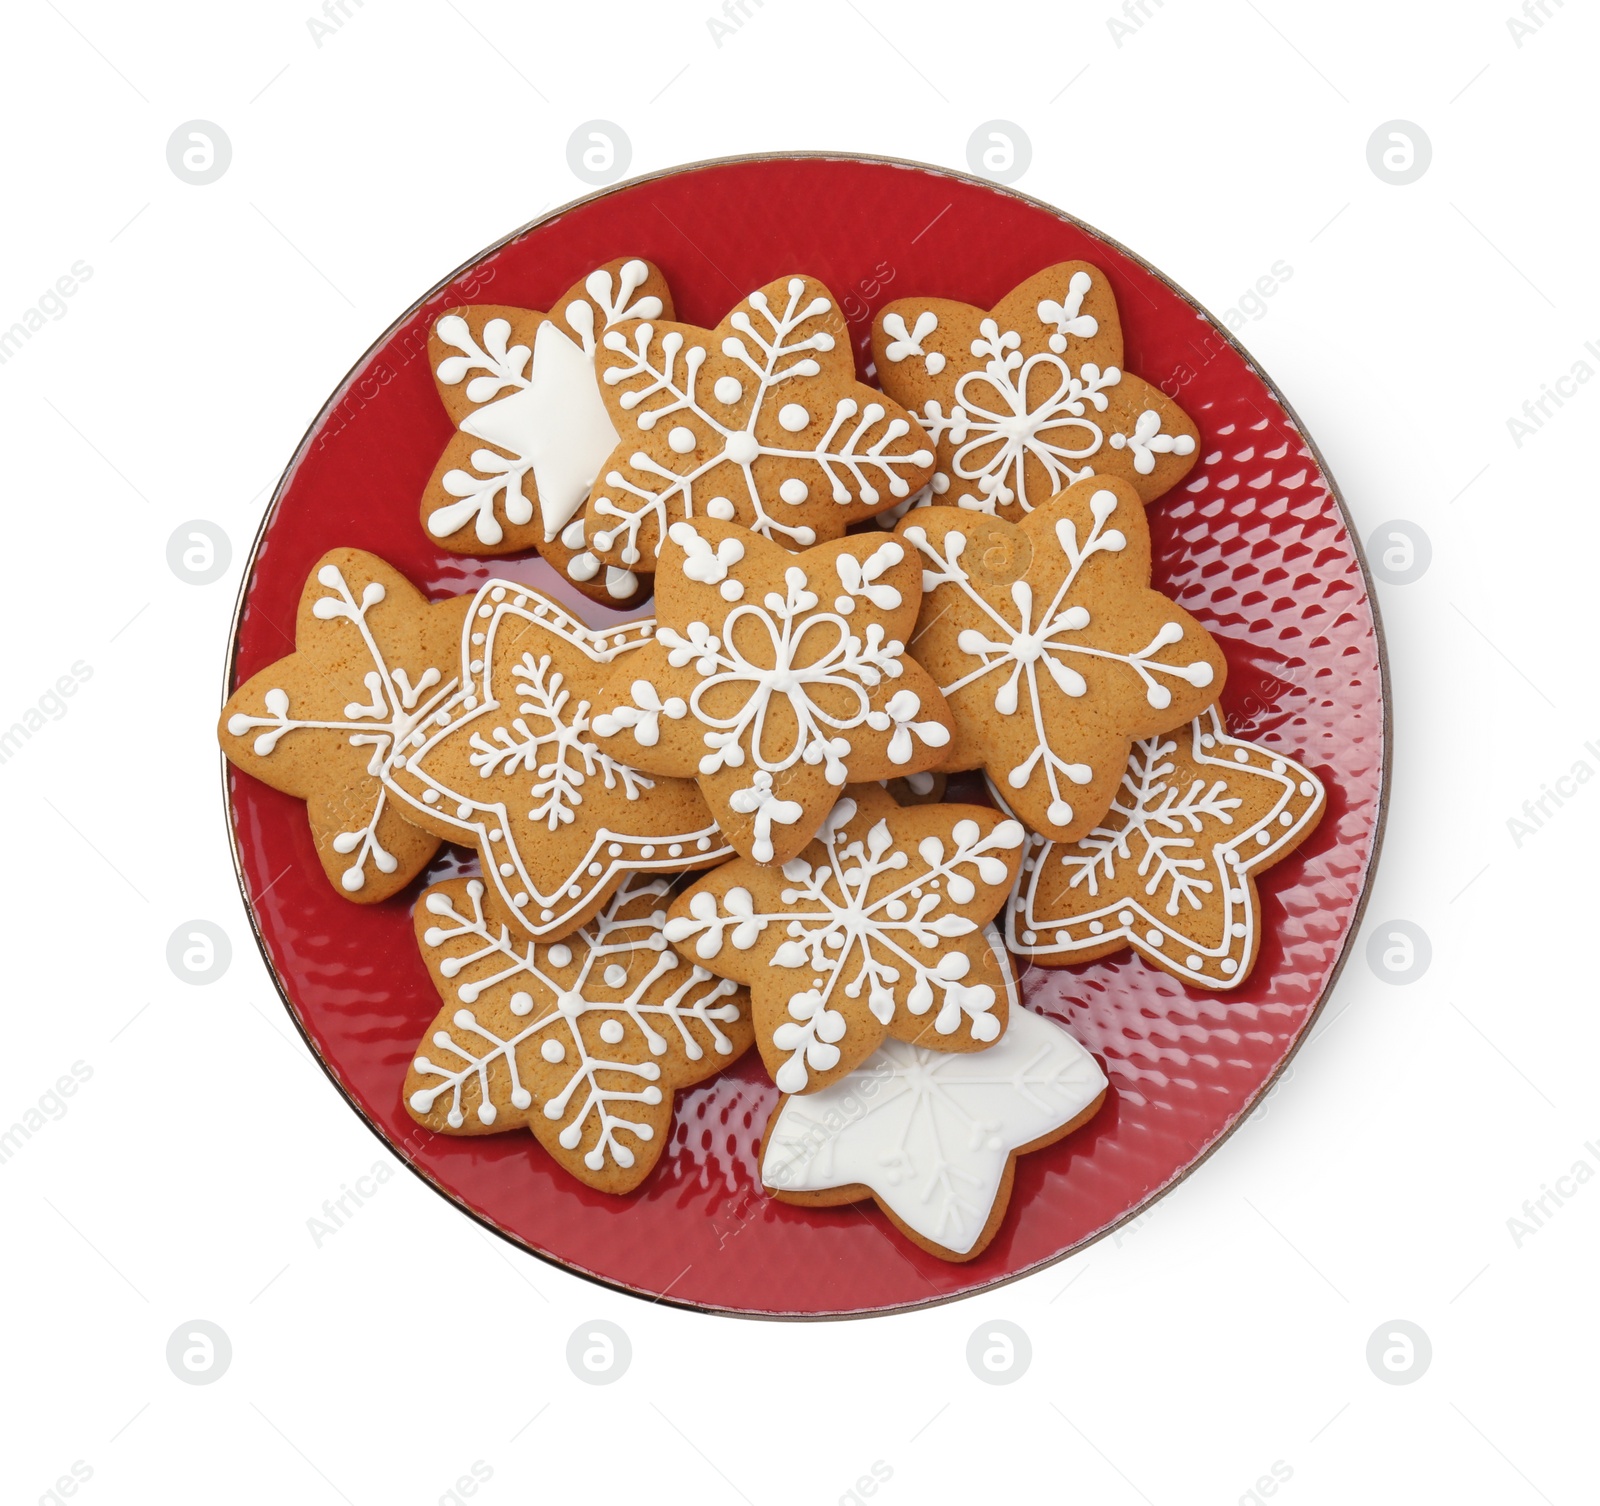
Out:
{"x": 774, "y": 678}
{"x": 933, "y": 1137}
{"x": 926, "y": 788}
{"x": 1052, "y": 650}
{"x": 1170, "y": 871}
{"x": 584, "y": 1041}
{"x": 531, "y": 429}
{"x": 760, "y": 421}
{"x": 373, "y": 661}
{"x": 509, "y": 765}
{"x": 881, "y": 927}
{"x": 1030, "y": 396}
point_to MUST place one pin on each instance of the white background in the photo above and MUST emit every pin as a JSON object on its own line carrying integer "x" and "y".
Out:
{"x": 1225, "y": 1333}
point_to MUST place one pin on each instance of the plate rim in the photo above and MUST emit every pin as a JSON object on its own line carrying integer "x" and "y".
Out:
{"x": 1358, "y": 914}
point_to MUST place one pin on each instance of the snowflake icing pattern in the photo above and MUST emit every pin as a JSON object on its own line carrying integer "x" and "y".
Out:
{"x": 1170, "y": 870}
{"x": 582, "y": 1041}
{"x": 510, "y": 765}
{"x": 882, "y": 933}
{"x": 827, "y": 663}
{"x": 1028, "y": 398}
{"x": 532, "y": 430}
{"x": 932, "y": 1136}
{"x": 760, "y": 420}
{"x": 1048, "y": 635}
{"x": 398, "y": 701}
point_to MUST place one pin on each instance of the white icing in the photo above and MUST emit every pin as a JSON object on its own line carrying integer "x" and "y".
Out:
{"x": 930, "y": 1132}
{"x": 787, "y": 664}
{"x": 534, "y": 725}
{"x": 1011, "y": 409}
{"x": 1067, "y": 316}
{"x": 566, "y": 433}
{"x": 552, "y": 422}
{"x": 584, "y": 566}
{"x": 1163, "y": 852}
{"x": 1147, "y": 441}
{"x": 661, "y": 378}
{"x": 853, "y": 929}
{"x": 995, "y": 430}
{"x": 603, "y": 996}
{"x": 908, "y": 342}
{"x": 383, "y": 723}
{"x": 1063, "y": 631}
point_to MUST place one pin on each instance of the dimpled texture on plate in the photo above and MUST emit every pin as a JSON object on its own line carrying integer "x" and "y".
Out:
{"x": 1253, "y": 543}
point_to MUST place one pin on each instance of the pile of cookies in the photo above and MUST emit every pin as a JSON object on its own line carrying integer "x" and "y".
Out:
{"x": 725, "y": 824}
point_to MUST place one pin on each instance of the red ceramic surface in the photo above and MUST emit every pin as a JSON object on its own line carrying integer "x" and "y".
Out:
{"x": 1255, "y": 544}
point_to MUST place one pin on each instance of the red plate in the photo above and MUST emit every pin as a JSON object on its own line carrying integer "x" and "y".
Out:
{"x": 1256, "y": 544}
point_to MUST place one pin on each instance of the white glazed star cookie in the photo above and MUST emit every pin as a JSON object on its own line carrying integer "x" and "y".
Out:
{"x": 531, "y": 429}
{"x": 932, "y": 1137}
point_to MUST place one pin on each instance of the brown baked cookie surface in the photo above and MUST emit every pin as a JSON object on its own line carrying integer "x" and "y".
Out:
{"x": 1030, "y": 396}
{"x": 584, "y": 1041}
{"x": 880, "y": 927}
{"x": 776, "y": 678}
{"x": 1171, "y": 869}
{"x": 1052, "y": 651}
{"x": 759, "y": 421}
{"x": 531, "y": 428}
{"x": 373, "y": 661}
{"x": 510, "y": 766}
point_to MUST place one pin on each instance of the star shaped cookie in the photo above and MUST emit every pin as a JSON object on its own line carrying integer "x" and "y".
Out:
{"x": 760, "y": 421}
{"x": 584, "y": 1042}
{"x": 1030, "y": 396}
{"x": 1170, "y": 870}
{"x": 373, "y": 661}
{"x": 934, "y": 1138}
{"x": 880, "y": 927}
{"x": 1052, "y": 651}
{"x": 531, "y": 429}
{"x": 774, "y": 678}
{"x": 509, "y": 765}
